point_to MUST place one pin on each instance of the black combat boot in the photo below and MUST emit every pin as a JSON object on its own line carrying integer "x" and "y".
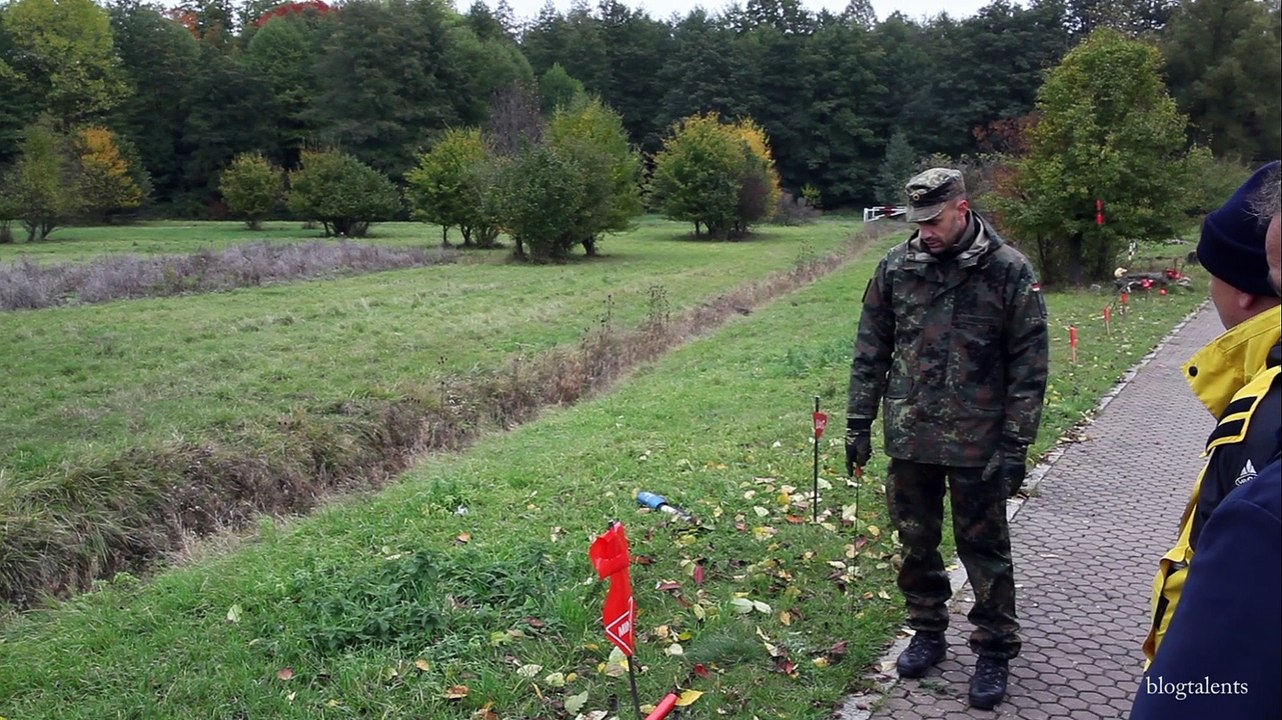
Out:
{"x": 988, "y": 684}
{"x": 926, "y": 649}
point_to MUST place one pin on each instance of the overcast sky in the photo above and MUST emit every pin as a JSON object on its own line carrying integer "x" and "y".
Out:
{"x": 662, "y": 9}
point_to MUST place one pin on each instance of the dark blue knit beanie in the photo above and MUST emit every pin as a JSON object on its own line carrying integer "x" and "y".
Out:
{"x": 1232, "y": 244}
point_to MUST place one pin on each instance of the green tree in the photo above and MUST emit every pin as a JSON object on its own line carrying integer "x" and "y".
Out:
{"x": 1223, "y": 61}
{"x": 450, "y": 187}
{"x": 344, "y": 194}
{"x": 64, "y": 51}
{"x": 896, "y": 168}
{"x": 609, "y": 170}
{"x": 159, "y": 60}
{"x": 390, "y": 79}
{"x": 232, "y": 111}
{"x": 557, "y": 89}
{"x": 110, "y": 180}
{"x": 1108, "y": 131}
{"x": 12, "y": 89}
{"x": 43, "y": 185}
{"x": 283, "y": 53}
{"x": 251, "y": 186}
{"x": 536, "y": 188}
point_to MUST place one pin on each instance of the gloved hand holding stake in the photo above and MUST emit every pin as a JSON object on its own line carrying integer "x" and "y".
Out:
{"x": 1014, "y": 467}
{"x": 858, "y": 443}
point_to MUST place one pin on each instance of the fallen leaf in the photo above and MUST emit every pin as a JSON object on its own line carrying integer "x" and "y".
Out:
{"x": 698, "y": 574}
{"x": 456, "y": 692}
{"x": 674, "y": 649}
{"x": 761, "y": 607}
{"x": 528, "y": 671}
{"x": 795, "y": 519}
{"x": 741, "y": 605}
{"x": 688, "y": 697}
{"x": 667, "y": 585}
{"x": 422, "y": 664}
{"x": 285, "y": 673}
{"x": 233, "y": 614}
{"x": 555, "y": 680}
{"x": 643, "y": 560}
{"x": 575, "y": 703}
{"x": 785, "y": 618}
{"x": 760, "y": 511}
{"x": 701, "y": 670}
{"x": 463, "y": 538}
{"x": 821, "y": 662}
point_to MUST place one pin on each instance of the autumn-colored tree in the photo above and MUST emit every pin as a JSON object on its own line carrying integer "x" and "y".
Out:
{"x": 720, "y": 177}
{"x": 108, "y": 182}
{"x": 251, "y": 187}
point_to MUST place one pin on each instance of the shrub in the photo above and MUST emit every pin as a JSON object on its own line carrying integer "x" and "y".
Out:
{"x": 251, "y": 186}
{"x": 344, "y": 194}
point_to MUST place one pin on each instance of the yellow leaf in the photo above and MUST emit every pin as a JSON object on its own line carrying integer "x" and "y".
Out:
{"x": 874, "y": 530}
{"x": 785, "y": 618}
{"x": 422, "y": 664}
{"x": 456, "y": 692}
{"x": 233, "y": 614}
{"x": 333, "y": 703}
{"x": 820, "y": 662}
{"x": 688, "y": 697}
{"x": 464, "y": 538}
{"x": 555, "y": 680}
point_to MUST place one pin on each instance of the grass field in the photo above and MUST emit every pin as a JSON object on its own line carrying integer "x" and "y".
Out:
{"x": 91, "y": 380}
{"x": 464, "y": 591}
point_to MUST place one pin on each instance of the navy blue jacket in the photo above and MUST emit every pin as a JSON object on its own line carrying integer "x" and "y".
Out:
{"x": 1222, "y": 656}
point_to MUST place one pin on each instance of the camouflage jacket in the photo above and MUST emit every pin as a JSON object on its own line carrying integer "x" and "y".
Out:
{"x": 955, "y": 350}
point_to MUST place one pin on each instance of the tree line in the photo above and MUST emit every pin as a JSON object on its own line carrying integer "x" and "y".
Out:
{"x": 129, "y": 101}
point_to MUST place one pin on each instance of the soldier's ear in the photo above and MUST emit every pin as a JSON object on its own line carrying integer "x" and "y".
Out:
{"x": 963, "y": 205}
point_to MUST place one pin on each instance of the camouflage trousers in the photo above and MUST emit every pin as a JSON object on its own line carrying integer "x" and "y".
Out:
{"x": 915, "y": 495}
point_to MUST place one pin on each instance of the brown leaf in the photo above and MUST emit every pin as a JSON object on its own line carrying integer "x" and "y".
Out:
{"x": 643, "y": 560}
{"x": 463, "y": 538}
{"x": 285, "y": 673}
{"x": 535, "y": 622}
{"x": 456, "y": 692}
{"x": 785, "y": 666}
{"x": 795, "y": 519}
{"x": 667, "y": 585}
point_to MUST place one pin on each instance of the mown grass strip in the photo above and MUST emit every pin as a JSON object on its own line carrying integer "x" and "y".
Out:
{"x": 439, "y": 597}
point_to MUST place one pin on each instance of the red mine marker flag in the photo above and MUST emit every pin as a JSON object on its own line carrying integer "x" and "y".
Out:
{"x": 821, "y": 422}
{"x": 609, "y": 554}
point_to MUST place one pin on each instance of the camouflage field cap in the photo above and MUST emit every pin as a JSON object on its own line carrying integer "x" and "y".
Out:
{"x": 929, "y": 191}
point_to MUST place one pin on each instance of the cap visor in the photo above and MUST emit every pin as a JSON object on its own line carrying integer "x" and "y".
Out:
{"x": 922, "y": 214}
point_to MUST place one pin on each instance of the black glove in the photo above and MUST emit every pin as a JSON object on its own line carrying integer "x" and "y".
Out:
{"x": 858, "y": 443}
{"x": 1014, "y": 467}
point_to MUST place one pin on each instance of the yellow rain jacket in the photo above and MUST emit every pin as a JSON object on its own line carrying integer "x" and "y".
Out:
{"x": 1234, "y": 376}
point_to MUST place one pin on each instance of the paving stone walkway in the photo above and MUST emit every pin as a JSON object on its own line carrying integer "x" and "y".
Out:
{"x": 1085, "y": 548}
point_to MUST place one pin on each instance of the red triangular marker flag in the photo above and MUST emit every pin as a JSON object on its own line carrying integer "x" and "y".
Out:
{"x": 609, "y": 554}
{"x": 821, "y": 422}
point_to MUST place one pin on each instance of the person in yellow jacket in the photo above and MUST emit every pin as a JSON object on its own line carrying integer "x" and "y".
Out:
{"x": 1236, "y": 376}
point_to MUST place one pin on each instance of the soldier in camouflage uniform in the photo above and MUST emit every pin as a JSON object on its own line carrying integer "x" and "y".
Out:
{"x": 953, "y": 346}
